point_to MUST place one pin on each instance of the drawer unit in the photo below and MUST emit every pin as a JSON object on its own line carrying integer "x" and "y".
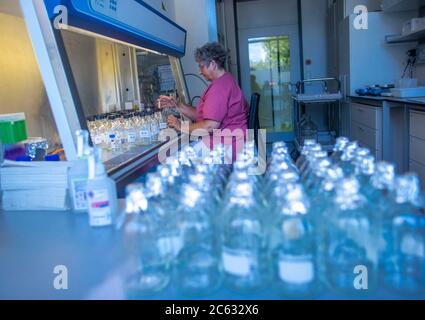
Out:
{"x": 417, "y": 144}
{"x": 366, "y": 136}
{"x": 417, "y": 124}
{"x": 417, "y": 150}
{"x": 368, "y": 116}
{"x": 419, "y": 169}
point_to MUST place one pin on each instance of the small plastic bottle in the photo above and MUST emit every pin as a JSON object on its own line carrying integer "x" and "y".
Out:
{"x": 101, "y": 192}
{"x": 78, "y": 174}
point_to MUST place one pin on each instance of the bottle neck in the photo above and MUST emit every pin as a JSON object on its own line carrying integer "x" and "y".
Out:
{"x": 192, "y": 198}
{"x": 295, "y": 202}
{"x": 383, "y": 178}
{"x": 96, "y": 169}
{"x": 348, "y": 196}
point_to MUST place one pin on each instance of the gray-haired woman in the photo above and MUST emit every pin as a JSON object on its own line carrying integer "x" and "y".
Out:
{"x": 222, "y": 106}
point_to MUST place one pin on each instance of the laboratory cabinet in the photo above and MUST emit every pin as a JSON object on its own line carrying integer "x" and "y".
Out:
{"x": 417, "y": 143}
{"x": 366, "y": 127}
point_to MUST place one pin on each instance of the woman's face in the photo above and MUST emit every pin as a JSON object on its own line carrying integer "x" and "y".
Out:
{"x": 207, "y": 70}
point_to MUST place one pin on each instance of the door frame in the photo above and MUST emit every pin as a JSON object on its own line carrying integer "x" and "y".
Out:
{"x": 290, "y": 30}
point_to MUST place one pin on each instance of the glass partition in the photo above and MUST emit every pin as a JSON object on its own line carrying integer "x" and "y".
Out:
{"x": 270, "y": 76}
{"x": 118, "y": 86}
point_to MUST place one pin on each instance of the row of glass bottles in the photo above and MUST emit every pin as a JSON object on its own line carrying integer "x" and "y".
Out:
{"x": 122, "y": 132}
{"x": 372, "y": 216}
{"x": 177, "y": 237}
{"x": 342, "y": 222}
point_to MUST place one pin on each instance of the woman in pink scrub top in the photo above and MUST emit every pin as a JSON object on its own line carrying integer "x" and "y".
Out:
{"x": 223, "y": 109}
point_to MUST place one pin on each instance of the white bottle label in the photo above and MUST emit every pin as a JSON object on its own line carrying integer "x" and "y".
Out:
{"x": 296, "y": 272}
{"x": 100, "y": 213}
{"x": 170, "y": 246}
{"x": 79, "y": 193}
{"x": 97, "y": 139}
{"x": 144, "y": 134}
{"x": 131, "y": 137}
{"x": 236, "y": 263}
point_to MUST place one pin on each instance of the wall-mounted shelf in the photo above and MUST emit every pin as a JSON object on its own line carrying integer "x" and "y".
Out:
{"x": 412, "y": 37}
{"x": 401, "y": 5}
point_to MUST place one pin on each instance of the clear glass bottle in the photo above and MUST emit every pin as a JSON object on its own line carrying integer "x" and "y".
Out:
{"x": 308, "y": 131}
{"x": 154, "y": 128}
{"x": 170, "y": 239}
{"x": 122, "y": 132}
{"x": 142, "y": 232}
{"x": 321, "y": 202}
{"x": 306, "y": 148}
{"x": 313, "y": 157}
{"x": 310, "y": 156}
{"x": 79, "y": 174}
{"x": 131, "y": 132}
{"x": 378, "y": 191}
{"x": 162, "y": 120}
{"x": 275, "y": 175}
{"x": 364, "y": 170}
{"x": 319, "y": 173}
{"x": 145, "y": 132}
{"x": 294, "y": 255}
{"x": 244, "y": 247}
{"x": 198, "y": 268}
{"x": 350, "y": 243}
{"x": 348, "y": 157}
{"x": 340, "y": 145}
{"x": 403, "y": 254}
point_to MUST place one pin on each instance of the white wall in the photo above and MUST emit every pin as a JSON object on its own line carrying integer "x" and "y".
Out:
{"x": 21, "y": 86}
{"x": 198, "y": 17}
{"x": 420, "y": 70}
{"x": 230, "y": 33}
{"x": 372, "y": 5}
{"x": 266, "y": 13}
{"x": 314, "y": 15}
{"x": 372, "y": 61}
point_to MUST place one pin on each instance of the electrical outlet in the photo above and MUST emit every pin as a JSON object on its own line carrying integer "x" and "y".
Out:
{"x": 420, "y": 54}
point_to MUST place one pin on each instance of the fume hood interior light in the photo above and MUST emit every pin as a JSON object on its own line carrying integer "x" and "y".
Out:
{"x": 96, "y": 35}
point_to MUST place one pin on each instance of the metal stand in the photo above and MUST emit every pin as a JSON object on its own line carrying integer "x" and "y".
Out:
{"x": 332, "y": 100}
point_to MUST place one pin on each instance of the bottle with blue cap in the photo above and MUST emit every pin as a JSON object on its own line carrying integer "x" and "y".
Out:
{"x": 101, "y": 192}
{"x": 78, "y": 174}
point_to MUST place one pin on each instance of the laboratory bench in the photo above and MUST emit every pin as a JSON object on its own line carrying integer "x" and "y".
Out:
{"x": 392, "y": 128}
{"x": 97, "y": 262}
{"x": 409, "y": 101}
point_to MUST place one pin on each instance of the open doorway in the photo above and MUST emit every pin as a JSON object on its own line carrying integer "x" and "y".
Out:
{"x": 269, "y": 61}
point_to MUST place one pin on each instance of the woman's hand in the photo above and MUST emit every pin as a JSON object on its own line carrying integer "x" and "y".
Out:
{"x": 166, "y": 102}
{"x": 173, "y": 122}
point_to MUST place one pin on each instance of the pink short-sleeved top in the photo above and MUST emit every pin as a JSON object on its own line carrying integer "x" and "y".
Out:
{"x": 224, "y": 102}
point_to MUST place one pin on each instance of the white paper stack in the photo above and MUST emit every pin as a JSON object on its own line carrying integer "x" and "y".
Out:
{"x": 34, "y": 185}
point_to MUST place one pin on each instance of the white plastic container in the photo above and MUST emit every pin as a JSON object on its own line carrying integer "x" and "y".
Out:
{"x": 408, "y": 92}
{"x": 101, "y": 193}
{"x": 413, "y": 25}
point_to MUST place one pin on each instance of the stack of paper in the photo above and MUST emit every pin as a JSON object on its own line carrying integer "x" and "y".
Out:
{"x": 34, "y": 185}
